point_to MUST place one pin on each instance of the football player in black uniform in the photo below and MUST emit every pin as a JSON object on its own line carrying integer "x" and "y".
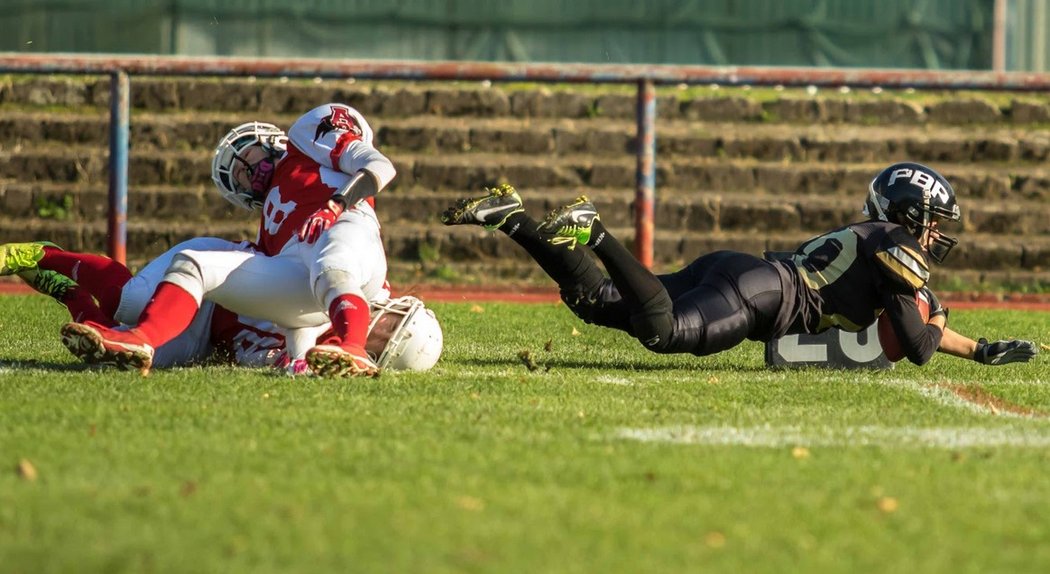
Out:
{"x": 844, "y": 278}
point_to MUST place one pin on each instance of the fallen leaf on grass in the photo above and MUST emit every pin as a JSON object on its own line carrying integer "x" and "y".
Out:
{"x": 477, "y": 309}
{"x": 575, "y": 333}
{"x": 715, "y": 539}
{"x": 470, "y": 503}
{"x": 800, "y": 452}
{"x": 548, "y": 345}
{"x": 26, "y": 470}
{"x": 188, "y": 488}
{"x": 887, "y": 505}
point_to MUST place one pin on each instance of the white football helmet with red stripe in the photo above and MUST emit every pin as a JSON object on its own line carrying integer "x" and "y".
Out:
{"x": 404, "y": 335}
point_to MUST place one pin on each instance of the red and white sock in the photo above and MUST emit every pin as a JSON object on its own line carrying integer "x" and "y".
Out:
{"x": 167, "y": 314}
{"x": 350, "y": 315}
{"x": 82, "y": 308}
{"x": 103, "y": 277}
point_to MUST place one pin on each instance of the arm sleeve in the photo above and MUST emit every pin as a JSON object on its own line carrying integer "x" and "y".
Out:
{"x": 918, "y": 340}
{"x": 338, "y": 137}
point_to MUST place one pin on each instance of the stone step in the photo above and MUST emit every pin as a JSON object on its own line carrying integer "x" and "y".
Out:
{"x": 416, "y": 242}
{"x": 976, "y": 251}
{"x": 676, "y": 209}
{"x": 675, "y": 139}
{"x": 466, "y": 172}
{"x": 484, "y": 99}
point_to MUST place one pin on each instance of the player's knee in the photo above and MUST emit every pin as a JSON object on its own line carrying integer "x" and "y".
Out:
{"x": 653, "y": 324}
{"x": 582, "y": 306}
{"x": 332, "y": 283}
{"x": 654, "y": 331}
{"x": 185, "y": 273}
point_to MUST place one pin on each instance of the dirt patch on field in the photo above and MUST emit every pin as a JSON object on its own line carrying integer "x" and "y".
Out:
{"x": 976, "y": 395}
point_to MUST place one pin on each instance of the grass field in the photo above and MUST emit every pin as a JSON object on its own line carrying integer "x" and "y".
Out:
{"x": 613, "y": 460}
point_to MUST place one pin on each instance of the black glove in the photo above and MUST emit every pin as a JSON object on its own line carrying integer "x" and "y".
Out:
{"x": 1002, "y": 352}
{"x": 935, "y": 306}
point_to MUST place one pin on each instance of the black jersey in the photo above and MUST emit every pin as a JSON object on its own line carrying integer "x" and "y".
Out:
{"x": 847, "y": 277}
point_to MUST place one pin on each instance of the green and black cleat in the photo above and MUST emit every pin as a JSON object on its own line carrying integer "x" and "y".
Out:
{"x": 571, "y": 224}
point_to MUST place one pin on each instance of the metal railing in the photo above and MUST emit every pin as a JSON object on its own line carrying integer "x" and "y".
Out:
{"x": 646, "y": 77}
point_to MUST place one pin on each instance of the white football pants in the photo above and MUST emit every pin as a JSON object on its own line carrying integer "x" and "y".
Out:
{"x": 283, "y": 288}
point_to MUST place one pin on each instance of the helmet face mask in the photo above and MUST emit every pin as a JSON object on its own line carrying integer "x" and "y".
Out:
{"x": 230, "y": 157}
{"x": 917, "y": 198}
{"x": 404, "y": 335}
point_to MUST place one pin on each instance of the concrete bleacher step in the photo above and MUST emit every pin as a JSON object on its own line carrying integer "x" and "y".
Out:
{"x": 464, "y": 243}
{"x": 675, "y": 209}
{"x": 493, "y": 99}
{"x": 471, "y": 171}
{"x": 433, "y": 245}
{"x": 592, "y": 137}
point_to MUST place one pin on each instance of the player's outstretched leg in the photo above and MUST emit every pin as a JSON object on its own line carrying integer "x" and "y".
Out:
{"x": 80, "y": 304}
{"x": 336, "y": 361}
{"x": 575, "y": 272}
{"x": 95, "y": 344}
{"x": 650, "y": 306}
{"x": 18, "y": 257}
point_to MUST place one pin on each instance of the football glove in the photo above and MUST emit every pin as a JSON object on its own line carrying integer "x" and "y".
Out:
{"x": 320, "y": 221}
{"x": 936, "y": 308}
{"x": 1002, "y": 352}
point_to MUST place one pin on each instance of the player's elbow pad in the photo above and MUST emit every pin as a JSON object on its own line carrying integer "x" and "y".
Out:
{"x": 921, "y": 353}
{"x": 368, "y": 158}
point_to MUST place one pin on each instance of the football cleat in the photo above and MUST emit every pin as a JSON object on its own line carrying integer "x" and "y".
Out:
{"x": 18, "y": 257}
{"x": 571, "y": 224}
{"x": 98, "y": 345}
{"x": 336, "y": 361}
{"x": 490, "y": 210}
{"x": 51, "y": 283}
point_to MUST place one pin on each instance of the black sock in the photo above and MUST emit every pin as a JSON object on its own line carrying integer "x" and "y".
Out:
{"x": 574, "y": 270}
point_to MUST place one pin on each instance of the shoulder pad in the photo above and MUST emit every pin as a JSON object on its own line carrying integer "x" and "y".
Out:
{"x": 901, "y": 260}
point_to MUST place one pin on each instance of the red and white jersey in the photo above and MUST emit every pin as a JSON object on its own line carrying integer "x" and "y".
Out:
{"x": 244, "y": 341}
{"x": 326, "y": 146}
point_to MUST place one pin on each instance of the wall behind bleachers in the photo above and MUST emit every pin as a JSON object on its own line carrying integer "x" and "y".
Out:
{"x": 933, "y": 34}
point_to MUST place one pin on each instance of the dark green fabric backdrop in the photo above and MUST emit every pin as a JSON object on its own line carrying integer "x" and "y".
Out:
{"x": 871, "y": 33}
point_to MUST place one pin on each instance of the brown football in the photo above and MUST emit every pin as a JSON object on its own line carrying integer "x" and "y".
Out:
{"x": 888, "y": 339}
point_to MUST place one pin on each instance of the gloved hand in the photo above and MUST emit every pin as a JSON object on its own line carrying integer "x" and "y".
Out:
{"x": 320, "y": 221}
{"x": 936, "y": 308}
{"x": 1002, "y": 352}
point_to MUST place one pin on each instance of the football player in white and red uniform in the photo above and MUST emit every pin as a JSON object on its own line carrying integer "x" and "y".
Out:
{"x": 318, "y": 255}
{"x": 98, "y": 289}
{"x": 402, "y": 333}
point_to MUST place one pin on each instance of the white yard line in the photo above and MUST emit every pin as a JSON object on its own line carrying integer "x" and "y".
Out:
{"x": 881, "y": 436}
{"x": 612, "y": 380}
{"x": 1014, "y": 434}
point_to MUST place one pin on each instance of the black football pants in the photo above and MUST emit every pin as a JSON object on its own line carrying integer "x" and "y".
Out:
{"x": 713, "y": 304}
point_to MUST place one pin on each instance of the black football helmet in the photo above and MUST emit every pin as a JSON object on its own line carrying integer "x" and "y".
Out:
{"x": 912, "y": 195}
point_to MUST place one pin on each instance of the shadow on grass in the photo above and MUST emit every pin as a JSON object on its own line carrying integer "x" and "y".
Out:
{"x": 33, "y": 364}
{"x": 601, "y": 365}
